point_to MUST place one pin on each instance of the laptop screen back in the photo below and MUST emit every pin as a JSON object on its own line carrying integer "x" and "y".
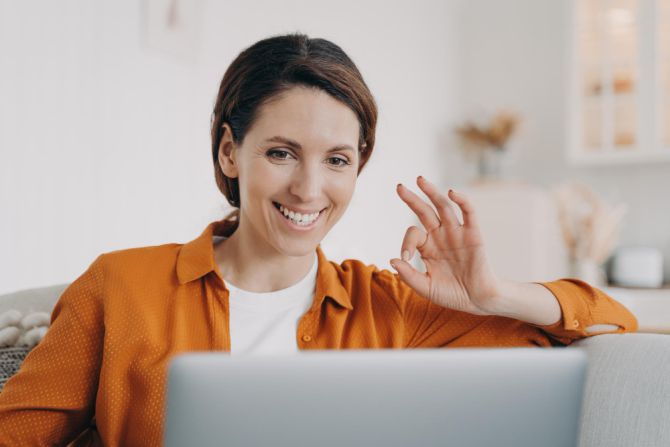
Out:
{"x": 457, "y": 397}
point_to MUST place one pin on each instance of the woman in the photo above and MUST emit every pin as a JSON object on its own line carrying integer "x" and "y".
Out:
{"x": 293, "y": 126}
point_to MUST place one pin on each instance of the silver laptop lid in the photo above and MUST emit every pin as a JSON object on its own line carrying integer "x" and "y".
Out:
{"x": 438, "y": 397}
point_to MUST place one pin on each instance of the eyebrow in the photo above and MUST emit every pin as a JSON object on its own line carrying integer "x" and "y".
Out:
{"x": 296, "y": 145}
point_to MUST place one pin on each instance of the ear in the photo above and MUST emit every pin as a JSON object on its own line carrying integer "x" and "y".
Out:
{"x": 228, "y": 153}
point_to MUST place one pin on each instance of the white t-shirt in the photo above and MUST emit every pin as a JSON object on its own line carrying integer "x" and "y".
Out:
{"x": 267, "y": 323}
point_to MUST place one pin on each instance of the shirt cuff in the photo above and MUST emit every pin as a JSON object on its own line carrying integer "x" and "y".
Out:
{"x": 584, "y": 307}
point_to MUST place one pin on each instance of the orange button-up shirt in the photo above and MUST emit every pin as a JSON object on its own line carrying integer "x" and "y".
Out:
{"x": 99, "y": 374}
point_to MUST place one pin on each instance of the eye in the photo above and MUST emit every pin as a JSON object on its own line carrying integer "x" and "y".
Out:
{"x": 338, "y": 161}
{"x": 278, "y": 154}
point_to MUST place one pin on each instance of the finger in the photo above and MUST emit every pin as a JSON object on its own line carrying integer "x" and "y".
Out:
{"x": 418, "y": 281}
{"x": 469, "y": 215}
{"x": 441, "y": 202}
{"x": 414, "y": 238}
{"x": 425, "y": 213}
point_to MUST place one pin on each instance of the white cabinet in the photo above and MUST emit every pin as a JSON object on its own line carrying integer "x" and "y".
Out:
{"x": 619, "y": 101}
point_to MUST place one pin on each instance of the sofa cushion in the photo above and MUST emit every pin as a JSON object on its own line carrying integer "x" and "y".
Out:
{"x": 42, "y": 299}
{"x": 627, "y": 394}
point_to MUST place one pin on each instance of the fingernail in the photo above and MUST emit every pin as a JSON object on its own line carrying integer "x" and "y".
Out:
{"x": 399, "y": 185}
{"x": 394, "y": 265}
{"x": 405, "y": 255}
{"x": 420, "y": 177}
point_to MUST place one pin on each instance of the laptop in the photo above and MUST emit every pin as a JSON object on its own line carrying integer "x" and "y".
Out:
{"x": 388, "y": 398}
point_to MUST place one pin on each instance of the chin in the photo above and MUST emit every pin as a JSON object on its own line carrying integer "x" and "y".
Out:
{"x": 298, "y": 249}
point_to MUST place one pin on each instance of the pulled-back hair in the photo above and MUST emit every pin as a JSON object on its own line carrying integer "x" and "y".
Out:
{"x": 274, "y": 65}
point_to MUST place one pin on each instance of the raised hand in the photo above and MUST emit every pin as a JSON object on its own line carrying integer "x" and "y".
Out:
{"x": 457, "y": 273}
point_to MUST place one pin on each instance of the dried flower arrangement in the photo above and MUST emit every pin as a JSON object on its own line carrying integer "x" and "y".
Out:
{"x": 487, "y": 143}
{"x": 495, "y": 135}
{"x": 590, "y": 227}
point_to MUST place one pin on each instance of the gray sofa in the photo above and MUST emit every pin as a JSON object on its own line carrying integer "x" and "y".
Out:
{"x": 626, "y": 399}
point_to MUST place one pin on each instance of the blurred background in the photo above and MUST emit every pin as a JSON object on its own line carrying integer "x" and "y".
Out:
{"x": 553, "y": 115}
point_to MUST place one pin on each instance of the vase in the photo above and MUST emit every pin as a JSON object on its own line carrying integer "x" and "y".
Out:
{"x": 488, "y": 163}
{"x": 589, "y": 271}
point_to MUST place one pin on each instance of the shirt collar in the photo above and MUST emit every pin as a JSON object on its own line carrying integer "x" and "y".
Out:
{"x": 196, "y": 259}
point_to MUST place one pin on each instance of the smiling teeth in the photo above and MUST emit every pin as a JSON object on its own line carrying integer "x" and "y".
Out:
{"x": 297, "y": 218}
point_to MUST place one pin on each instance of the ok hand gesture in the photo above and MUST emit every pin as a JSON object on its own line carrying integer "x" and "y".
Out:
{"x": 457, "y": 272}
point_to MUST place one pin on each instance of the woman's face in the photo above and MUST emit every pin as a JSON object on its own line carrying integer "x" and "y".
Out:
{"x": 299, "y": 158}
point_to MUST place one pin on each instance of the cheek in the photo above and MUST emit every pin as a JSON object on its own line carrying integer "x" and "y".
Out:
{"x": 257, "y": 182}
{"x": 343, "y": 189}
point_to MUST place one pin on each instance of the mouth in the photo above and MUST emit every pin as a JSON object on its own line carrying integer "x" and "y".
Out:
{"x": 296, "y": 220}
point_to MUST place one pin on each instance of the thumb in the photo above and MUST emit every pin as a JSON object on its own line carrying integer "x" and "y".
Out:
{"x": 411, "y": 276}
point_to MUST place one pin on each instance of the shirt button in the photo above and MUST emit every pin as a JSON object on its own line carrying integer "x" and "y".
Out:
{"x": 575, "y": 323}
{"x": 306, "y": 338}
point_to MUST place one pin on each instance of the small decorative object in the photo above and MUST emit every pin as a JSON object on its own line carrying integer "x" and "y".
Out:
{"x": 488, "y": 142}
{"x": 17, "y": 330}
{"x": 637, "y": 267}
{"x": 590, "y": 229}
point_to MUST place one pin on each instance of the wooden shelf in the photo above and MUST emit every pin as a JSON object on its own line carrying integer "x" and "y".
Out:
{"x": 620, "y": 156}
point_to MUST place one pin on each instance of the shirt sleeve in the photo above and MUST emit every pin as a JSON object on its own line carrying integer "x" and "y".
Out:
{"x": 428, "y": 325}
{"x": 586, "y": 311}
{"x": 51, "y": 399}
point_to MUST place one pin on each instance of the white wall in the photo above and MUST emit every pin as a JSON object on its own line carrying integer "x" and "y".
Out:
{"x": 104, "y": 144}
{"x": 515, "y": 55}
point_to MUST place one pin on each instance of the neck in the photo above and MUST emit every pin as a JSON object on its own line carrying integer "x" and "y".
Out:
{"x": 249, "y": 264}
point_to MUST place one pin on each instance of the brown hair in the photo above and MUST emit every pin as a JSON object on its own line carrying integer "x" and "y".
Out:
{"x": 270, "y": 67}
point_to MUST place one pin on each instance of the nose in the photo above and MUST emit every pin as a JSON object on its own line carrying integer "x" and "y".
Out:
{"x": 306, "y": 183}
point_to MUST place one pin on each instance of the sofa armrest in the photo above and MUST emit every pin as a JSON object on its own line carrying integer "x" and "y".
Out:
{"x": 627, "y": 393}
{"x": 32, "y": 300}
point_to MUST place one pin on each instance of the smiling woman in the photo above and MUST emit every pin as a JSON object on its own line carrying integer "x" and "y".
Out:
{"x": 292, "y": 128}
{"x": 292, "y": 187}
